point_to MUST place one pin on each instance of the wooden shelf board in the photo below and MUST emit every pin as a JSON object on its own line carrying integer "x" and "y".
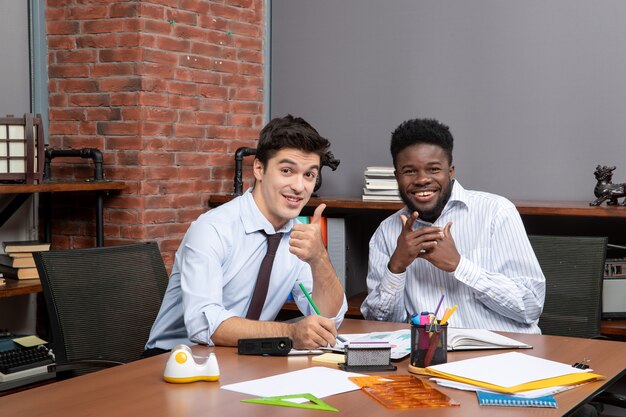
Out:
{"x": 13, "y": 287}
{"x": 525, "y": 207}
{"x": 51, "y": 187}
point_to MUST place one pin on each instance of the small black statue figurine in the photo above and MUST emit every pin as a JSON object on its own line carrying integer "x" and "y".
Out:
{"x": 605, "y": 189}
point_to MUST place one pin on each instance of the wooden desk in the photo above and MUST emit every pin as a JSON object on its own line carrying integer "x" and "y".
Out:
{"x": 136, "y": 389}
{"x": 21, "y": 193}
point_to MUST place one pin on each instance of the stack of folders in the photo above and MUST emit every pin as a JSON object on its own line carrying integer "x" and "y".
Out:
{"x": 519, "y": 379}
{"x": 333, "y": 230}
{"x": 380, "y": 184}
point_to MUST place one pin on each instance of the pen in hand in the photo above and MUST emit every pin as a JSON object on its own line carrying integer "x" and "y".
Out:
{"x": 308, "y": 297}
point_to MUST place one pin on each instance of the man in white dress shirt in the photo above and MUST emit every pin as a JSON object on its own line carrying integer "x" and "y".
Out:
{"x": 215, "y": 272}
{"x": 469, "y": 245}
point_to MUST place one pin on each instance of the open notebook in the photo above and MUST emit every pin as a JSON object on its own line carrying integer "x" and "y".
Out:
{"x": 474, "y": 339}
{"x": 400, "y": 340}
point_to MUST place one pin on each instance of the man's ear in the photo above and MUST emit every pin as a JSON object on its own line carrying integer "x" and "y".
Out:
{"x": 258, "y": 169}
{"x": 452, "y": 172}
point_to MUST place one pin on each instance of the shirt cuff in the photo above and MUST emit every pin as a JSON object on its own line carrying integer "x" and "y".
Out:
{"x": 208, "y": 323}
{"x": 338, "y": 319}
{"x": 467, "y": 272}
{"x": 393, "y": 283}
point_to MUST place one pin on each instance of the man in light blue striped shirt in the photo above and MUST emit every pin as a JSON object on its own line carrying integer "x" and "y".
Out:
{"x": 213, "y": 281}
{"x": 469, "y": 245}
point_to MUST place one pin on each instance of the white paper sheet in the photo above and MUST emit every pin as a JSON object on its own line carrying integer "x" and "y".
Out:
{"x": 507, "y": 369}
{"x": 318, "y": 380}
{"x": 525, "y": 394}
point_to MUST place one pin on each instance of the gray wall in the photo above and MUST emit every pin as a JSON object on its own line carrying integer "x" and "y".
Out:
{"x": 533, "y": 91}
{"x": 14, "y": 58}
{"x": 18, "y": 314}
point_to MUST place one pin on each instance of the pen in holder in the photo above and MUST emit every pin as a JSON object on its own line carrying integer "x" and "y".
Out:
{"x": 429, "y": 344}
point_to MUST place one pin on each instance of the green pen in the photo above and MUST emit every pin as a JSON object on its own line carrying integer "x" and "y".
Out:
{"x": 308, "y": 297}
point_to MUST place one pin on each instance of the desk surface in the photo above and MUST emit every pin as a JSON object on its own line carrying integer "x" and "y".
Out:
{"x": 136, "y": 389}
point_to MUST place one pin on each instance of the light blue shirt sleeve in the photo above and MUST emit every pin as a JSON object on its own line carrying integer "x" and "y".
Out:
{"x": 202, "y": 282}
{"x": 215, "y": 271}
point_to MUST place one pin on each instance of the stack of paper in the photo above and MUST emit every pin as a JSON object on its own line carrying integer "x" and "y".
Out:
{"x": 380, "y": 184}
{"x": 511, "y": 373}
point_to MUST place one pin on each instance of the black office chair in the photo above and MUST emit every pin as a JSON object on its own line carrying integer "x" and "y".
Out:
{"x": 574, "y": 270}
{"x": 101, "y": 303}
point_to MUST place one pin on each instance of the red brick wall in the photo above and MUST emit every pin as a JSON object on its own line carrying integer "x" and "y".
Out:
{"x": 167, "y": 90}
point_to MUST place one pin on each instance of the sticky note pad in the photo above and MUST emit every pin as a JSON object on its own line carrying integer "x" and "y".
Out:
{"x": 334, "y": 358}
{"x": 29, "y": 341}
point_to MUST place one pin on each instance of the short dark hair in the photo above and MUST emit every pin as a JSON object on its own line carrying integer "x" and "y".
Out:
{"x": 418, "y": 131}
{"x": 290, "y": 132}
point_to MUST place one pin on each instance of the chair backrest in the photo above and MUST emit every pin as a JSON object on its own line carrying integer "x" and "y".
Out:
{"x": 101, "y": 302}
{"x": 574, "y": 270}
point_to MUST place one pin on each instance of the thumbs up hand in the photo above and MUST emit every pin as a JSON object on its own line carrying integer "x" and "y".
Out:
{"x": 306, "y": 239}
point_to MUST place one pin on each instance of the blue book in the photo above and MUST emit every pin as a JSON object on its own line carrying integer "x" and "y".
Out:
{"x": 489, "y": 398}
{"x": 304, "y": 219}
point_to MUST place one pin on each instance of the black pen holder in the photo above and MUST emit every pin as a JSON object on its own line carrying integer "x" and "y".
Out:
{"x": 429, "y": 344}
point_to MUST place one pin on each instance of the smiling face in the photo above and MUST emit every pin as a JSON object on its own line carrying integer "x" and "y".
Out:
{"x": 424, "y": 176}
{"x": 285, "y": 184}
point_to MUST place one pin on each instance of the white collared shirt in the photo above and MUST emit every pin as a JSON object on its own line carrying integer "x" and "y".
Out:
{"x": 498, "y": 284}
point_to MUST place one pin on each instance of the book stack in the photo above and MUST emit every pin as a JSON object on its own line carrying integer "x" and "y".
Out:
{"x": 18, "y": 262}
{"x": 380, "y": 184}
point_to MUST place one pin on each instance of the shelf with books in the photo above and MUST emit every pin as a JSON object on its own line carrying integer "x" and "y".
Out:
{"x": 380, "y": 184}
{"x": 21, "y": 193}
{"x": 18, "y": 262}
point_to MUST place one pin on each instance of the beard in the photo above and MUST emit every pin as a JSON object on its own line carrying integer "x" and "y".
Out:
{"x": 433, "y": 214}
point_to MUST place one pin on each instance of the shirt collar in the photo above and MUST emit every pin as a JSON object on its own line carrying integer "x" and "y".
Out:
{"x": 458, "y": 196}
{"x": 253, "y": 220}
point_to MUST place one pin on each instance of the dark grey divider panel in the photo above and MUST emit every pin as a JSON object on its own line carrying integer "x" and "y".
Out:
{"x": 534, "y": 91}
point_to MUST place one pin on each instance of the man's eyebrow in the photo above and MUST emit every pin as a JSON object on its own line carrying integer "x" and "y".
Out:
{"x": 292, "y": 162}
{"x": 428, "y": 164}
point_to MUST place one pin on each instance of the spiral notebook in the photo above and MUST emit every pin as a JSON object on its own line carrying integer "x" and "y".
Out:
{"x": 492, "y": 398}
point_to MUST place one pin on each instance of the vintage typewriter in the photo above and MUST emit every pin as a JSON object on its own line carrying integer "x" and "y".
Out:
{"x": 21, "y": 365}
